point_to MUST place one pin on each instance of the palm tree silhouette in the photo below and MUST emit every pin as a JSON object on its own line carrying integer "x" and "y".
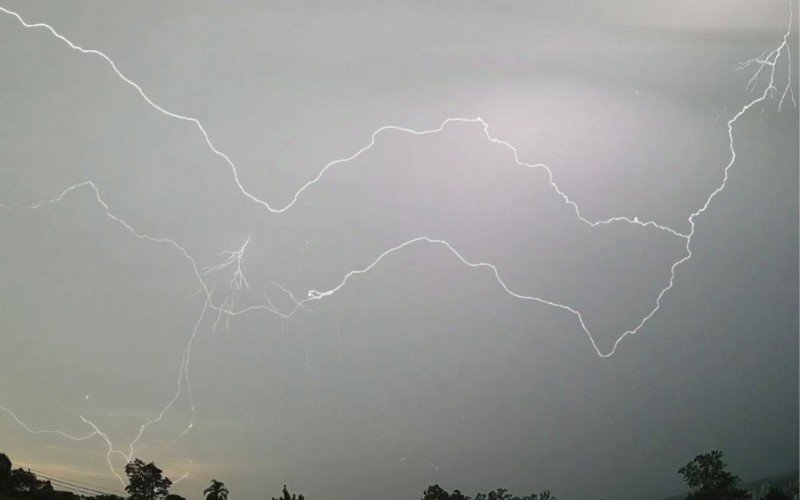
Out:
{"x": 216, "y": 491}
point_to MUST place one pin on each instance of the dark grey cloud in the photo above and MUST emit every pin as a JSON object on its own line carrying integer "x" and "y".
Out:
{"x": 423, "y": 370}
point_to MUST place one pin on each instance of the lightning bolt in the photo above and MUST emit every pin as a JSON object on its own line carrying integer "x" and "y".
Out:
{"x": 185, "y": 474}
{"x": 183, "y": 372}
{"x": 765, "y": 65}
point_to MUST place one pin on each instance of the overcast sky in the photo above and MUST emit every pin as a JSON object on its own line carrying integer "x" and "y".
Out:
{"x": 422, "y": 370}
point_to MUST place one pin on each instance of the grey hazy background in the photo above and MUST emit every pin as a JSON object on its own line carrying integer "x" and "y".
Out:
{"x": 422, "y": 371}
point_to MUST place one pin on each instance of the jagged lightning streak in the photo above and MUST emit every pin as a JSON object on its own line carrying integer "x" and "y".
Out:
{"x": 770, "y": 60}
{"x": 38, "y": 431}
{"x": 196, "y": 122}
{"x": 766, "y": 60}
{"x": 185, "y": 474}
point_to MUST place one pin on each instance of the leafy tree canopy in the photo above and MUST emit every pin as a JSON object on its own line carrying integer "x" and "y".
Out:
{"x": 709, "y": 480}
{"x": 146, "y": 481}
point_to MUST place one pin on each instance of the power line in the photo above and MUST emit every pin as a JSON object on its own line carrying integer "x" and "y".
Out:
{"x": 76, "y": 483}
{"x": 70, "y": 488}
{"x": 76, "y": 488}
{"x": 83, "y": 489}
{"x": 49, "y": 475}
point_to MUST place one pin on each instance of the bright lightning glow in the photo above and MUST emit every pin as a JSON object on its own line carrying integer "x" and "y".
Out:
{"x": 766, "y": 64}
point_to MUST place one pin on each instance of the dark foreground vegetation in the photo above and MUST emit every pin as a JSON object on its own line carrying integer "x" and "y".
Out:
{"x": 706, "y": 475}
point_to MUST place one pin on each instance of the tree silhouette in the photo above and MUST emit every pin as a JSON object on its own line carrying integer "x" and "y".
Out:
{"x": 216, "y": 491}
{"x": 146, "y": 481}
{"x": 498, "y": 494}
{"x": 544, "y": 495}
{"x": 25, "y": 482}
{"x": 287, "y": 496}
{"x": 436, "y": 492}
{"x": 774, "y": 493}
{"x": 5, "y": 474}
{"x": 708, "y": 479}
